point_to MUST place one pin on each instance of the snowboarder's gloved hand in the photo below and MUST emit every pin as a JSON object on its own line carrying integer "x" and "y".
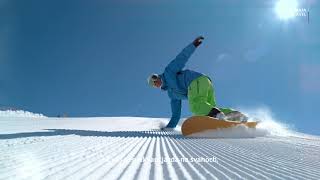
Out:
{"x": 198, "y": 41}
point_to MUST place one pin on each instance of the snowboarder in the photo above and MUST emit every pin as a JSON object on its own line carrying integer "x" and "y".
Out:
{"x": 194, "y": 86}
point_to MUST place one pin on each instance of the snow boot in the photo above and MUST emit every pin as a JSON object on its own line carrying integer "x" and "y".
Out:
{"x": 216, "y": 113}
{"x": 236, "y": 116}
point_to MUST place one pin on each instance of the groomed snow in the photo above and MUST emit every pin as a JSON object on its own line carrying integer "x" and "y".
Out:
{"x": 134, "y": 148}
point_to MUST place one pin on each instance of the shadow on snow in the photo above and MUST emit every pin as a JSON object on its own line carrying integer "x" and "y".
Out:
{"x": 122, "y": 134}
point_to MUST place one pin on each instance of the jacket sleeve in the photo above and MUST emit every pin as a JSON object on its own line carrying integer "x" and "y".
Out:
{"x": 181, "y": 59}
{"x": 176, "y": 113}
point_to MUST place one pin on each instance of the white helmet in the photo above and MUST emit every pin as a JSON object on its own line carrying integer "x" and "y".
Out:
{"x": 152, "y": 79}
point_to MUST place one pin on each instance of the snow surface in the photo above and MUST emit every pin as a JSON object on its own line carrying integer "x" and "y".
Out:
{"x": 134, "y": 148}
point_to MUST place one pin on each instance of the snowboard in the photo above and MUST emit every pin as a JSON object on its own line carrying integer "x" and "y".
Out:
{"x": 197, "y": 124}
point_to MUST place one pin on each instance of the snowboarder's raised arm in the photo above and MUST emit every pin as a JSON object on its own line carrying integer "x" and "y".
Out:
{"x": 176, "y": 113}
{"x": 181, "y": 59}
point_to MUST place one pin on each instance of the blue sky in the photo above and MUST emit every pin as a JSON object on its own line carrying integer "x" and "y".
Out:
{"x": 92, "y": 58}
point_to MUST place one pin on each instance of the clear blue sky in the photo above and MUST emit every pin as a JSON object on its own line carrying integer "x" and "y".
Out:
{"x": 92, "y": 58}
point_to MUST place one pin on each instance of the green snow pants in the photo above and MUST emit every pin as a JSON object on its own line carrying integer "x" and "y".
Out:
{"x": 202, "y": 98}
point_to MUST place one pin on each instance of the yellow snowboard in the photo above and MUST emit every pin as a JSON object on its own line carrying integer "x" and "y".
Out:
{"x": 196, "y": 124}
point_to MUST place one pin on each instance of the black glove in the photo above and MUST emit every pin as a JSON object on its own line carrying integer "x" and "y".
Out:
{"x": 198, "y": 41}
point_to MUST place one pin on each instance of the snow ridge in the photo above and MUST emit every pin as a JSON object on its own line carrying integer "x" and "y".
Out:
{"x": 20, "y": 113}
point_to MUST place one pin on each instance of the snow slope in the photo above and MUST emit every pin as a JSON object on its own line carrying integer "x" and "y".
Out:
{"x": 134, "y": 148}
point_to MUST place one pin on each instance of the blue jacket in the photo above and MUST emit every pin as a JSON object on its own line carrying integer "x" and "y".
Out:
{"x": 176, "y": 82}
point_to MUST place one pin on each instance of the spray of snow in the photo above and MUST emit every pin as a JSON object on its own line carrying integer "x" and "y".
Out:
{"x": 267, "y": 126}
{"x": 268, "y": 122}
{"x": 20, "y": 113}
